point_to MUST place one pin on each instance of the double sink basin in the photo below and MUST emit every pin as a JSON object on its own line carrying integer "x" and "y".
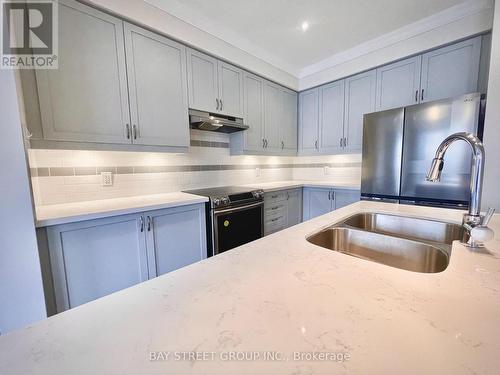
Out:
{"x": 408, "y": 243}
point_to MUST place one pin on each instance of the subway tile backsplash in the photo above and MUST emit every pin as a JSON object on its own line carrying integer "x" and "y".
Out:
{"x": 62, "y": 176}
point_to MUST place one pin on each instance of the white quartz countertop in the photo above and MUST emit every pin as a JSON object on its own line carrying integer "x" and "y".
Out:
{"x": 79, "y": 211}
{"x": 55, "y": 214}
{"x": 283, "y": 295}
{"x": 290, "y": 184}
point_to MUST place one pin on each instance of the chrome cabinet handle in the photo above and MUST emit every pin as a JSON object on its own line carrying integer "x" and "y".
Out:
{"x": 149, "y": 224}
{"x": 220, "y": 100}
{"x": 127, "y": 127}
{"x": 422, "y": 96}
{"x": 416, "y": 96}
{"x": 141, "y": 220}
{"x": 341, "y": 142}
{"x": 263, "y": 143}
{"x": 216, "y": 104}
{"x": 333, "y": 195}
{"x": 282, "y": 145}
{"x": 316, "y": 144}
{"x": 287, "y": 195}
{"x": 134, "y": 131}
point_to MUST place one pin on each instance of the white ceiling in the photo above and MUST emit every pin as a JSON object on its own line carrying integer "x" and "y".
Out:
{"x": 271, "y": 29}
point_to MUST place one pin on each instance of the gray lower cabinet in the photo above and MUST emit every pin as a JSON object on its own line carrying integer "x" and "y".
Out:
{"x": 319, "y": 201}
{"x": 175, "y": 238}
{"x": 94, "y": 258}
{"x": 282, "y": 209}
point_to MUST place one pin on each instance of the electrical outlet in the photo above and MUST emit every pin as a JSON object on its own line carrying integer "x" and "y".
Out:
{"x": 257, "y": 172}
{"x": 107, "y": 178}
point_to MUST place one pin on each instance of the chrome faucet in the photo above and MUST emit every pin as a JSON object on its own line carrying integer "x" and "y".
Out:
{"x": 473, "y": 218}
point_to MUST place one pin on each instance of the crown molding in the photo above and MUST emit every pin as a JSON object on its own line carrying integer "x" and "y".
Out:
{"x": 424, "y": 25}
{"x": 219, "y": 31}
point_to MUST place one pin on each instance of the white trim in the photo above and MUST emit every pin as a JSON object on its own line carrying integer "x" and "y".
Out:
{"x": 435, "y": 21}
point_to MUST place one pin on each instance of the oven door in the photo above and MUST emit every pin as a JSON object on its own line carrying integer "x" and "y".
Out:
{"x": 236, "y": 226}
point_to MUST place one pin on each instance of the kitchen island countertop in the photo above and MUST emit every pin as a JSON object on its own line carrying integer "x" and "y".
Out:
{"x": 282, "y": 295}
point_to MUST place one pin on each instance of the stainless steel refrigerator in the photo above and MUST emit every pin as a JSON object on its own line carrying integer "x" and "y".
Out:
{"x": 399, "y": 144}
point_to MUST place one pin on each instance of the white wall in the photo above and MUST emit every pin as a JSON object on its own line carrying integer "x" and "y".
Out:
{"x": 21, "y": 292}
{"x": 491, "y": 192}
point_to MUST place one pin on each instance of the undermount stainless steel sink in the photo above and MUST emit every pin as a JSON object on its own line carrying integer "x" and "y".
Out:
{"x": 406, "y": 227}
{"x": 407, "y": 243}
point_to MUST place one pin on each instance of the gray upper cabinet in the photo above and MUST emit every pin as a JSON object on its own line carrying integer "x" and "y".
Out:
{"x": 95, "y": 258}
{"x": 308, "y": 121}
{"x": 272, "y": 120}
{"x": 359, "y": 99}
{"x": 450, "y": 71}
{"x": 156, "y": 69}
{"x": 252, "y": 139}
{"x": 398, "y": 84}
{"x": 214, "y": 85}
{"x": 203, "y": 86}
{"x": 230, "y": 90}
{"x": 331, "y": 117}
{"x": 270, "y": 111}
{"x": 86, "y": 99}
{"x": 288, "y": 124}
{"x": 176, "y": 237}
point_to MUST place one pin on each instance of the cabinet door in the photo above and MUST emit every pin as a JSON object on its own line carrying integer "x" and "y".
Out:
{"x": 176, "y": 237}
{"x": 288, "y": 123}
{"x": 202, "y": 81}
{"x": 451, "y": 71}
{"x": 156, "y": 69}
{"x": 343, "y": 198}
{"x": 94, "y": 258}
{"x": 308, "y": 121}
{"x": 230, "y": 90}
{"x": 316, "y": 202}
{"x": 294, "y": 209}
{"x": 272, "y": 113}
{"x": 331, "y": 116}
{"x": 85, "y": 99}
{"x": 359, "y": 99}
{"x": 398, "y": 84}
{"x": 254, "y": 112}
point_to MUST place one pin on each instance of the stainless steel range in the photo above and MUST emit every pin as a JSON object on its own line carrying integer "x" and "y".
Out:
{"x": 234, "y": 216}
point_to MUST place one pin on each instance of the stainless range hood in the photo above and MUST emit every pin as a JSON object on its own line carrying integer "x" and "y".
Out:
{"x": 215, "y": 122}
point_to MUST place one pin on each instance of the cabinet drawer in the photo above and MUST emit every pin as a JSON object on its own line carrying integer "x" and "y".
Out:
{"x": 274, "y": 224}
{"x": 274, "y": 197}
{"x": 274, "y": 209}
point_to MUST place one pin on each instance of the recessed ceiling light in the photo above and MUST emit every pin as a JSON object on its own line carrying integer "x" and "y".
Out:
{"x": 304, "y": 26}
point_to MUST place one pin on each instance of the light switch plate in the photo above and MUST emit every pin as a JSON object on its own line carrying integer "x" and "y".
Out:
{"x": 257, "y": 172}
{"x": 107, "y": 179}
{"x": 326, "y": 170}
